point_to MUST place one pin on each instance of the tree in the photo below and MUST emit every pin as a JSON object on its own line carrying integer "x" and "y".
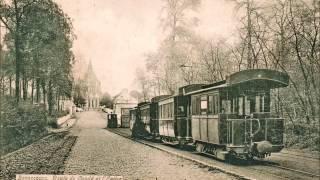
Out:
{"x": 80, "y": 89}
{"x": 40, "y": 36}
{"x": 136, "y": 94}
{"x": 12, "y": 16}
{"x": 177, "y": 24}
{"x": 143, "y": 83}
{"x": 106, "y": 100}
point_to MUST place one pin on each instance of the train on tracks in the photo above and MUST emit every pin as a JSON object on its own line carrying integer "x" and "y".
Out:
{"x": 230, "y": 118}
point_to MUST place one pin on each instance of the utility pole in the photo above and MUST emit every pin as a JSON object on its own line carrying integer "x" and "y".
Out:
{"x": 249, "y": 36}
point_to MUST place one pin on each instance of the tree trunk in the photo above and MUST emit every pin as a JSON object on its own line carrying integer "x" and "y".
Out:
{"x": 10, "y": 86}
{"x": 24, "y": 85}
{"x": 32, "y": 91}
{"x": 50, "y": 98}
{"x": 17, "y": 44}
{"x": 43, "y": 85}
{"x": 37, "y": 90}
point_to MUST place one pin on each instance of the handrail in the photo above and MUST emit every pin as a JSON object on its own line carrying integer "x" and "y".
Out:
{"x": 259, "y": 127}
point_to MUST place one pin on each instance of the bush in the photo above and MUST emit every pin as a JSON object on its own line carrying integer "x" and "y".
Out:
{"x": 21, "y": 124}
{"x": 52, "y": 122}
{"x": 303, "y": 136}
{"x": 59, "y": 114}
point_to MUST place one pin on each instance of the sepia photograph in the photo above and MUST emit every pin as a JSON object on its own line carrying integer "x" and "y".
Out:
{"x": 159, "y": 89}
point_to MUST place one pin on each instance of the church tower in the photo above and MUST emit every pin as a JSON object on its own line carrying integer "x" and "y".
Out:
{"x": 94, "y": 88}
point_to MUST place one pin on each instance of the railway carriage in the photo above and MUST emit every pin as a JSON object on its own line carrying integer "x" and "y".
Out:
{"x": 145, "y": 116}
{"x": 140, "y": 122}
{"x": 228, "y": 118}
{"x": 174, "y": 119}
{"x": 233, "y": 118}
{"x": 154, "y": 115}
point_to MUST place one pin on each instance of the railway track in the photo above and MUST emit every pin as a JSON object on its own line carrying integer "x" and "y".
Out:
{"x": 269, "y": 169}
{"x": 311, "y": 158}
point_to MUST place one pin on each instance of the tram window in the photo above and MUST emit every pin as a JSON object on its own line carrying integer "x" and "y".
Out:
{"x": 181, "y": 110}
{"x": 240, "y": 103}
{"x": 197, "y": 105}
{"x": 247, "y": 105}
{"x": 170, "y": 106}
{"x": 216, "y": 104}
{"x": 257, "y": 108}
{"x": 204, "y": 104}
{"x": 226, "y": 106}
{"x": 261, "y": 104}
{"x": 193, "y": 100}
{"x": 210, "y": 104}
{"x": 234, "y": 105}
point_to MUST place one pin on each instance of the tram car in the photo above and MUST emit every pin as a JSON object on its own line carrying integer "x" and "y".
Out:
{"x": 174, "y": 119}
{"x": 140, "y": 121}
{"x": 232, "y": 118}
{"x": 154, "y": 115}
{"x": 146, "y": 118}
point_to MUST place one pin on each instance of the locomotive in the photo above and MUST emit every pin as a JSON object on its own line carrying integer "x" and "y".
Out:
{"x": 230, "y": 118}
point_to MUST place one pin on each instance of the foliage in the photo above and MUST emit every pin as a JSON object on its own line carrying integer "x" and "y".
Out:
{"x": 106, "y": 100}
{"x": 39, "y": 42}
{"x": 20, "y": 125}
{"x": 52, "y": 122}
{"x": 80, "y": 89}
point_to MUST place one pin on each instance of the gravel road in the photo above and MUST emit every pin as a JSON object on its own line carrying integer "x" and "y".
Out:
{"x": 98, "y": 151}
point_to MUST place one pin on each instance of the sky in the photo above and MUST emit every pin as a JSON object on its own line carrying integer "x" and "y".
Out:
{"x": 115, "y": 35}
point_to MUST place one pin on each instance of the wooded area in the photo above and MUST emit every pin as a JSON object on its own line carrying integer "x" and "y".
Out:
{"x": 281, "y": 35}
{"x": 36, "y": 61}
{"x": 36, "y": 58}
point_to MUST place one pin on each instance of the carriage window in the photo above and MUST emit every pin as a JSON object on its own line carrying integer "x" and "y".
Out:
{"x": 240, "y": 103}
{"x": 216, "y": 104}
{"x": 198, "y": 101}
{"x": 204, "y": 104}
{"x": 226, "y": 106}
{"x": 193, "y": 102}
{"x": 170, "y": 106}
{"x": 181, "y": 110}
{"x": 247, "y": 105}
{"x": 210, "y": 104}
{"x": 257, "y": 104}
{"x": 213, "y": 104}
{"x": 234, "y": 105}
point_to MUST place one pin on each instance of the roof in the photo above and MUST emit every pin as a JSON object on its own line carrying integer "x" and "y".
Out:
{"x": 158, "y": 98}
{"x": 253, "y": 78}
{"x": 188, "y": 88}
{"x": 264, "y": 78}
{"x": 207, "y": 89}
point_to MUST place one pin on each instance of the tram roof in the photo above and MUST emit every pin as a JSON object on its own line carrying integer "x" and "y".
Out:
{"x": 158, "y": 98}
{"x": 259, "y": 78}
{"x": 207, "y": 89}
{"x": 263, "y": 78}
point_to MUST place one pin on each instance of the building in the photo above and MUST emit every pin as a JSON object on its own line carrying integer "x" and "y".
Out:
{"x": 93, "y": 92}
{"x": 121, "y": 105}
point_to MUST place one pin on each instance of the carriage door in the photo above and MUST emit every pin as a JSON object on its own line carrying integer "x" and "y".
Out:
{"x": 241, "y": 127}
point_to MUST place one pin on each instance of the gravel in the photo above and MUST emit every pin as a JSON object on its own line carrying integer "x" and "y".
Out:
{"x": 45, "y": 156}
